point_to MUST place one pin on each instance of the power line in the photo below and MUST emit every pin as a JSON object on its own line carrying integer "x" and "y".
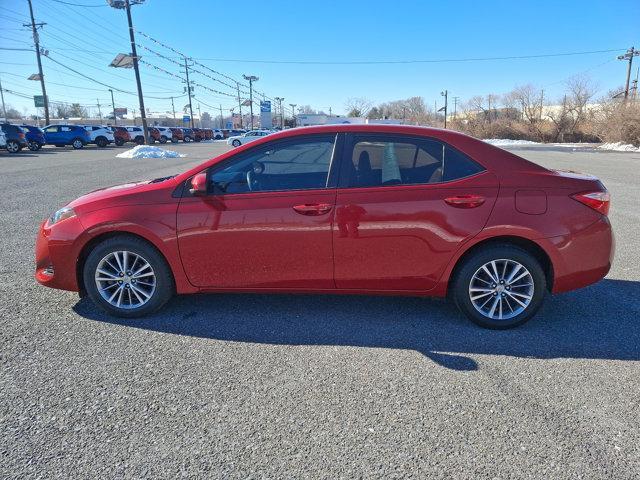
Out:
{"x": 395, "y": 62}
{"x": 79, "y": 5}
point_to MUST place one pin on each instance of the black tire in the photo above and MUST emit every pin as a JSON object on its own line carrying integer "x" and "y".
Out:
{"x": 102, "y": 142}
{"x": 187, "y": 139}
{"x": 77, "y": 144}
{"x": 464, "y": 274}
{"x": 119, "y": 142}
{"x": 236, "y": 143}
{"x": 174, "y": 140}
{"x": 139, "y": 140}
{"x": 34, "y": 146}
{"x": 40, "y": 145}
{"x": 163, "y": 139}
{"x": 13, "y": 146}
{"x": 164, "y": 288}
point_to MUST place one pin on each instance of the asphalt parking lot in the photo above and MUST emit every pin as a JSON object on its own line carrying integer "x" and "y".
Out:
{"x": 253, "y": 386}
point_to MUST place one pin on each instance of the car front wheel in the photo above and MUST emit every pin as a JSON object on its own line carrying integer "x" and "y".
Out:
{"x": 236, "y": 143}
{"x": 77, "y": 144}
{"x": 499, "y": 287}
{"x": 101, "y": 142}
{"x": 34, "y": 146}
{"x": 127, "y": 277}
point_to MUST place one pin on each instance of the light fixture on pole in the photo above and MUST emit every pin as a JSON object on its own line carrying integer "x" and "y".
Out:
{"x": 632, "y": 52}
{"x": 251, "y": 79}
{"x": 279, "y": 100}
{"x": 123, "y": 62}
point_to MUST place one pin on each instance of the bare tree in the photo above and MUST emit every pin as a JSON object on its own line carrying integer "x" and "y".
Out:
{"x": 529, "y": 99}
{"x": 358, "y": 106}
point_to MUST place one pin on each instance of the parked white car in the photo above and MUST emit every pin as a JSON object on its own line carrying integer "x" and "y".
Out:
{"x": 217, "y": 134}
{"x": 3, "y": 140}
{"x": 136, "y": 134}
{"x": 100, "y": 135}
{"x": 166, "y": 135}
{"x": 250, "y": 136}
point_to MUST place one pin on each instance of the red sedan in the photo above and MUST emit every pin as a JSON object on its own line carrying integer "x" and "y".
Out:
{"x": 359, "y": 209}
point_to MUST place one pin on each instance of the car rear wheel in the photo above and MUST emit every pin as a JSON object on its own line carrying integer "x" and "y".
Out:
{"x": 101, "y": 142}
{"x": 127, "y": 277}
{"x": 187, "y": 139}
{"x": 119, "y": 142}
{"x": 139, "y": 140}
{"x": 499, "y": 287}
{"x": 163, "y": 139}
{"x": 174, "y": 140}
{"x": 77, "y": 144}
{"x": 236, "y": 143}
{"x": 13, "y": 146}
{"x": 34, "y": 146}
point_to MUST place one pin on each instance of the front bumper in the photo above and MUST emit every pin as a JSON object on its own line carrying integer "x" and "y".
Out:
{"x": 57, "y": 254}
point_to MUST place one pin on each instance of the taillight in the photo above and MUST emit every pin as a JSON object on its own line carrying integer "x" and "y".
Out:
{"x": 20, "y": 135}
{"x": 599, "y": 200}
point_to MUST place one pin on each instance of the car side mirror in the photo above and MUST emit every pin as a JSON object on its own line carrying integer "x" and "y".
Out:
{"x": 199, "y": 184}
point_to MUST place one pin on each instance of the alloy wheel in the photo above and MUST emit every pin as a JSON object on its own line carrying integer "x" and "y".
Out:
{"x": 125, "y": 279}
{"x": 501, "y": 289}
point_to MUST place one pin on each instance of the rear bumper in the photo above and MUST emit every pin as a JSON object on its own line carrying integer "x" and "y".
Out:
{"x": 582, "y": 258}
{"x": 57, "y": 254}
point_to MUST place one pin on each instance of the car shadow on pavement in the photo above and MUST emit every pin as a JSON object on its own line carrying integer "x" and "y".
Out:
{"x": 598, "y": 322}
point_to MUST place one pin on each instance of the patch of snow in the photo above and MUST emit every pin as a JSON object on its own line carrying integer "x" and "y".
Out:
{"x": 504, "y": 142}
{"x": 619, "y": 147}
{"x": 149, "y": 151}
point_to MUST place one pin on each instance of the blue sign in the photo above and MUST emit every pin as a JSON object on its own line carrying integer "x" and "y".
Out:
{"x": 229, "y": 125}
{"x": 265, "y": 106}
{"x": 186, "y": 118}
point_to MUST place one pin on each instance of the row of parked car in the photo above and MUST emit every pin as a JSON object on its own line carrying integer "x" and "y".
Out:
{"x": 16, "y": 137}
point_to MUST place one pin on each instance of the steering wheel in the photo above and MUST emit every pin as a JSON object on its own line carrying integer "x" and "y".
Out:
{"x": 252, "y": 175}
{"x": 251, "y": 181}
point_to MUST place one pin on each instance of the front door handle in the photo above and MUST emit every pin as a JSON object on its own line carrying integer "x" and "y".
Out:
{"x": 313, "y": 209}
{"x": 465, "y": 201}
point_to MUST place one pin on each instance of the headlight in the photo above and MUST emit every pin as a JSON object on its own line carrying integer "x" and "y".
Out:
{"x": 62, "y": 214}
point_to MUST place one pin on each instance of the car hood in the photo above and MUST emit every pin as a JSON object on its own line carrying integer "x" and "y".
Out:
{"x": 133, "y": 193}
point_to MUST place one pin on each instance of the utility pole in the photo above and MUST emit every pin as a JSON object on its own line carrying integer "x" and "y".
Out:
{"x": 99, "y": 111}
{"x": 541, "y": 102}
{"x": 173, "y": 108}
{"x": 4, "y": 109}
{"x": 293, "y": 113}
{"x": 221, "y": 118}
{"x": 113, "y": 105}
{"x": 445, "y": 94}
{"x": 455, "y": 106}
{"x": 632, "y": 52}
{"x": 239, "y": 103}
{"x": 251, "y": 79}
{"x": 329, "y": 111}
{"x": 199, "y": 115}
{"x": 186, "y": 69}
{"x": 36, "y": 41}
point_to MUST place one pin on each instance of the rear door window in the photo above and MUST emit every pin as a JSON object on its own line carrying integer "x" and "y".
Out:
{"x": 383, "y": 160}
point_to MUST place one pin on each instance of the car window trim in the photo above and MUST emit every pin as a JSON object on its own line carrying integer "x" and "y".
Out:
{"x": 331, "y": 182}
{"x": 347, "y": 156}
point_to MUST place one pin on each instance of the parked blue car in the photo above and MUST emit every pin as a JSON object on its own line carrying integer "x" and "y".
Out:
{"x": 35, "y": 137}
{"x": 61, "y": 135}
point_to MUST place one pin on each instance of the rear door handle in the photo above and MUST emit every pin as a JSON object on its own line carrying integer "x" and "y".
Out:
{"x": 313, "y": 209}
{"x": 465, "y": 201}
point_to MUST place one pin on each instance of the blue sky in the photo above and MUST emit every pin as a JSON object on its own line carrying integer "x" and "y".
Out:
{"x": 214, "y": 32}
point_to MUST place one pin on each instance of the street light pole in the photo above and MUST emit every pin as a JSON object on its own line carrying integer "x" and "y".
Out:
{"x": 293, "y": 112}
{"x": 173, "y": 108}
{"x": 251, "y": 79}
{"x": 445, "y": 94}
{"x": 36, "y": 42}
{"x": 4, "y": 109}
{"x": 113, "y": 105}
{"x": 279, "y": 100}
{"x": 134, "y": 53}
